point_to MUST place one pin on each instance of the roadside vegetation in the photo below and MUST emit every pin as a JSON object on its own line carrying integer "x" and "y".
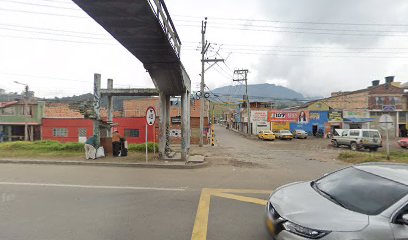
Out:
{"x": 54, "y": 149}
{"x": 400, "y": 156}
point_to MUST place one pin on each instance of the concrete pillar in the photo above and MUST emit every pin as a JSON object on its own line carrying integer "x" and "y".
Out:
{"x": 397, "y": 125}
{"x": 97, "y": 106}
{"x": 31, "y": 133}
{"x": 185, "y": 125}
{"x": 110, "y": 107}
{"x": 164, "y": 124}
{"x": 9, "y": 133}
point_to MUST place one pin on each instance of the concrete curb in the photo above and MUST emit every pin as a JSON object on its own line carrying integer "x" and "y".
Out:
{"x": 107, "y": 164}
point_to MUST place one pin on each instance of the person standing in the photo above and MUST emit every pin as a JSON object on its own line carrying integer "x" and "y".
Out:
{"x": 116, "y": 144}
{"x": 90, "y": 148}
{"x": 1, "y": 136}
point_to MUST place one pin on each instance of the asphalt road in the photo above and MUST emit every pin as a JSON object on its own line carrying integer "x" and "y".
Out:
{"x": 222, "y": 201}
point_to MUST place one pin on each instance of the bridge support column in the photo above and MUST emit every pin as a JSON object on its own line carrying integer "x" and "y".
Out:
{"x": 185, "y": 125}
{"x": 110, "y": 107}
{"x": 97, "y": 106}
{"x": 164, "y": 141}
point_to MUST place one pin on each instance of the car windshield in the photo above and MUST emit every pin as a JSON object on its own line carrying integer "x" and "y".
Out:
{"x": 267, "y": 132}
{"x": 285, "y": 131}
{"x": 372, "y": 134}
{"x": 361, "y": 191}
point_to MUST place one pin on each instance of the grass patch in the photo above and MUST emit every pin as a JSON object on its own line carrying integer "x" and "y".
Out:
{"x": 40, "y": 149}
{"x": 54, "y": 149}
{"x": 361, "y": 157}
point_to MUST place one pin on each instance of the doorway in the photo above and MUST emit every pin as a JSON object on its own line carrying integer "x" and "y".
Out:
{"x": 315, "y": 128}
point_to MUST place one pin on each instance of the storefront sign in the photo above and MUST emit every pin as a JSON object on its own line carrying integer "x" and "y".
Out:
{"x": 259, "y": 116}
{"x": 336, "y": 116}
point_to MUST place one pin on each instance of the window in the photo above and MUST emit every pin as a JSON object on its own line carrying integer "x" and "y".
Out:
{"x": 82, "y": 132}
{"x": 354, "y": 133}
{"x": 131, "y": 132}
{"x": 361, "y": 191}
{"x": 60, "y": 132}
{"x": 371, "y": 134}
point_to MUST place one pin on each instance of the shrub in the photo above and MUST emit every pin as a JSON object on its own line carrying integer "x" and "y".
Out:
{"x": 142, "y": 148}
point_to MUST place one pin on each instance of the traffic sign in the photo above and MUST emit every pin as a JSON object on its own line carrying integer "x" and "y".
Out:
{"x": 386, "y": 122}
{"x": 150, "y": 116}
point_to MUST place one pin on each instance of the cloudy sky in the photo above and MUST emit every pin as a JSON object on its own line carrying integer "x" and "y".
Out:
{"x": 314, "y": 47}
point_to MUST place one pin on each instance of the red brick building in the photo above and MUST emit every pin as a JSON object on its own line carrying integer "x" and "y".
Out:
{"x": 61, "y": 123}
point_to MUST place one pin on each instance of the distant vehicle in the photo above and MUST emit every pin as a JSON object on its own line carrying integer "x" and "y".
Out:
{"x": 266, "y": 135}
{"x": 358, "y": 139}
{"x": 367, "y": 201}
{"x": 300, "y": 134}
{"x": 403, "y": 142}
{"x": 284, "y": 134}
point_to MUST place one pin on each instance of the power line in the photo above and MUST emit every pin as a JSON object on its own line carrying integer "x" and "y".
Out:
{"x": 39, "y": 5}
{"x": 42, "y": 13}
{"x": 53, "y": 34}
{"x": 55, "y": 40}
{"x": 256, "y": 27}
{"x": 51, "y": 29}
{"x": 302, "y": 32}
{"x": 283, "y": 46}
{"x": 279, "y": 53}
{"x": 301, "y": 22}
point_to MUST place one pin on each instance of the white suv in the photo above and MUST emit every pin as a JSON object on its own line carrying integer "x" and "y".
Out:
{"x": 358, "y": 138}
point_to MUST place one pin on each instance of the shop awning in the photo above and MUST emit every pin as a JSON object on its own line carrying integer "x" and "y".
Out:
{"x": 358, "y": 120}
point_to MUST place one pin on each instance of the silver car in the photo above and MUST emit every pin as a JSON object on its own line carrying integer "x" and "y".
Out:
{"x": 367, "y": 201}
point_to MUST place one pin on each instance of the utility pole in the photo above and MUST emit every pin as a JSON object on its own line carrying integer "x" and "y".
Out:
{"x": 26, "y": 98}
{"x": 242, "y": 75}
{"x": 204, "y": 47}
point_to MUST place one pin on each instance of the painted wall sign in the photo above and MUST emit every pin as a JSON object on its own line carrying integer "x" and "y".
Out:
{"x": 259, "y": 116}
{"x": 336, "y": 116}
{"x": 315, "y": 116}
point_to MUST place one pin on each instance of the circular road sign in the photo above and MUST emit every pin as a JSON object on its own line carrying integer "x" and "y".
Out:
{"x": 386, "y": 122}
{"x": 150, "y": 116}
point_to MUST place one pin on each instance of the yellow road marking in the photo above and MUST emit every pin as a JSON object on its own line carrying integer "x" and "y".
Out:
{"x": 226, "y": 190}
{"x": 203, "y": 209}
{"x": 241, "y": 198}
{"x": 201, "y": 220}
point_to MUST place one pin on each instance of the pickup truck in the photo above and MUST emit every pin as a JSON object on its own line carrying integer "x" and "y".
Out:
{"x": 357, "y": 139}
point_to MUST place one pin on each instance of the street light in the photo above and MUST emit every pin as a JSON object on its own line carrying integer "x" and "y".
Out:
{"x": 25, "y": 110}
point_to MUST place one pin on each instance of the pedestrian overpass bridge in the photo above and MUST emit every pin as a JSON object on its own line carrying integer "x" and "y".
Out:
{"x": 145, "y": 29}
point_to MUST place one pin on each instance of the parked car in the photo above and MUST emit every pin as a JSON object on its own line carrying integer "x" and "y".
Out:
{"x": 403, "y": 142}
{"x": 367, "y": 201}
{"x": 284, "y": 134}
{"x": 358, "y": 139}
{"x": 266, "y": 135}
{"x": 300, "y": 134}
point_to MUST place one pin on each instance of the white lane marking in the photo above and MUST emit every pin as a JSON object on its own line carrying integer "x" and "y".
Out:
{"x": 91, "y": 186}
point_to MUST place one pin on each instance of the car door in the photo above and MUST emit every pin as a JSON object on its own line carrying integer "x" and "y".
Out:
{"x": 400, "y": 229}
{"x": 343, "y": 138}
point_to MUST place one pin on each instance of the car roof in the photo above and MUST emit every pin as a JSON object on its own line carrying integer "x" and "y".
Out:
{"x": 393, "y": 171}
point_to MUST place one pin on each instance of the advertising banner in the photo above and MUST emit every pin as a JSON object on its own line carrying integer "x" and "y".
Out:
{"x": 282, "y": 116}
{"x": 259, "y": 116}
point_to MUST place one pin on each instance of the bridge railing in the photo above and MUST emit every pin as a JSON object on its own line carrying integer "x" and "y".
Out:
{"x": 160, "y": 10}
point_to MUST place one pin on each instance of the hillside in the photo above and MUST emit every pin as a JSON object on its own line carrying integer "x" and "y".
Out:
{"x": 260, "y": 90}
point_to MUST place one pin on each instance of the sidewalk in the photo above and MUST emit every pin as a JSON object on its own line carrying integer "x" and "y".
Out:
{"x": 114, "y": 162}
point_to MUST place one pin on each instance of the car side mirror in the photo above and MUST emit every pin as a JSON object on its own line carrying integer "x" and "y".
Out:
{"x": 403, "y": 219}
